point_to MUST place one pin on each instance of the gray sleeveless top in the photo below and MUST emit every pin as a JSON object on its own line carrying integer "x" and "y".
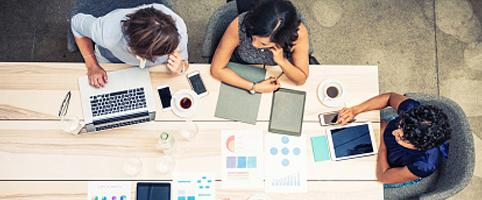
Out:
{"x": 246, "y": 52}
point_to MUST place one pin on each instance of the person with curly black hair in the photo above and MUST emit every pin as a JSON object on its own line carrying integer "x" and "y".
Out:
{"x": 411, "y": 144}
{"x": 271, "y": 33}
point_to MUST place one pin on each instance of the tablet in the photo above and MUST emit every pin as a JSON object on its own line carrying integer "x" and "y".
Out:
{"x": 153, "y": 191}
{"x": 287, "y": 109}
{"x": 351, "y": 141}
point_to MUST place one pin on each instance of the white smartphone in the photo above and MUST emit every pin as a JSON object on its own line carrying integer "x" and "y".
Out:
{"x": 328, "y": 118}
{"x": 197, "y": 83}
{"x": 165, "y": 96}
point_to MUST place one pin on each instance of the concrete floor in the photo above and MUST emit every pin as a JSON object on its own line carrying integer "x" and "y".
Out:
{"x": 404, "y": 38}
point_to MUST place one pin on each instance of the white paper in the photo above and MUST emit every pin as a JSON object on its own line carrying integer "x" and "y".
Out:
{"x": 118, "y": 190}
{"x": 194, "y": 186}
{"x": 242, "y": 153}
{"x": 285, "y": 160}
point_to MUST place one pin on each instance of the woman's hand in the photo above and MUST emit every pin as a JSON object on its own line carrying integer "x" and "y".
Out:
{"x": 97, "y": 75}
{"x": 267, "y": 86}
{"x": 175, "y": 63}
{"x": 278, "y": 54}
{"x": 346, "y": 115}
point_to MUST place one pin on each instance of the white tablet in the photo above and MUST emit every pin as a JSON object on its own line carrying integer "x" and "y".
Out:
{"x": 351, "y": 141}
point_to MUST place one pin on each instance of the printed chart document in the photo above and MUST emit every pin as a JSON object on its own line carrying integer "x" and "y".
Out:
{"x": 98, "y": 190}
{"x": 242, "y": 152}
{"x": 194, "y": 186}
{"x": 285, "y": 160}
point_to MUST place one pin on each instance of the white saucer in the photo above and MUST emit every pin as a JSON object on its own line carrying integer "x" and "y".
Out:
{"x": 327, "y": 101}
{"x": 176, "y": 107}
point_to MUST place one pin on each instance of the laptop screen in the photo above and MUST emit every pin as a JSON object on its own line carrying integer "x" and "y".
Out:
{"x": 353, "y": 140}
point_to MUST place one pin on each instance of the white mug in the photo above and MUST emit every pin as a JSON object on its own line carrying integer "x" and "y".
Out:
{"x": 325, "y": 99}
{"x": 338, "y": 88}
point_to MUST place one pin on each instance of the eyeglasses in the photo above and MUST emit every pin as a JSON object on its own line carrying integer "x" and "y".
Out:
{"x": 65, "y": 105}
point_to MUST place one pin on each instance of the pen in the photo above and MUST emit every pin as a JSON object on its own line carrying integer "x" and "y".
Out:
{"x": 279, "y": 76}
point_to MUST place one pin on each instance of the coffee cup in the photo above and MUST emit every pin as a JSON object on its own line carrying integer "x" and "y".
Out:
{"x": 330, "y": 93}
{"x": 185, "y": 103}
{"x": 333, "y": 91}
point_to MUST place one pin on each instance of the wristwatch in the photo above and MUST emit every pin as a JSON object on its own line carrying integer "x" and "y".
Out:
{"x": 252, "y": 88}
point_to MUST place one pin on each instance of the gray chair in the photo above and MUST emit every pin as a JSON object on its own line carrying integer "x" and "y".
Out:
{"x": 454, "y": 173}
{"x": 217, "y": 24}
{"x": 101, "y": 8}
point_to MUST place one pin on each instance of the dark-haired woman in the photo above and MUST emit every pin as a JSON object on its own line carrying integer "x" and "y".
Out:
{"x": 145, "y": 35}
{"x": 412, "y": 144}
{"x": 271, "y": 33}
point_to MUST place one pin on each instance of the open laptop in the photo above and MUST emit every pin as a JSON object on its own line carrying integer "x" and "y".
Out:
{"x": 126, "y": 99}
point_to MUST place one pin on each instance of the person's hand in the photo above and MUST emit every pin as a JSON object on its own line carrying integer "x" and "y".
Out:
{"x": 175, "y": 63}
{"x": 278, "y": 54}
{"x": 345, "y": 116}
{"x": 97, "y": 76}
{"x": 267, "y": 86}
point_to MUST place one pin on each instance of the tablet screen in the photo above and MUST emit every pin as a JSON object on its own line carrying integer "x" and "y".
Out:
{"x": 353, "y": 140}
{"x": 287, "y": 111}
{"x": 153, "y": 191}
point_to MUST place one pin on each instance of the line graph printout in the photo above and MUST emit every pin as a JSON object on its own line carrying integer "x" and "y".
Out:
{"x": 285, "y": 158}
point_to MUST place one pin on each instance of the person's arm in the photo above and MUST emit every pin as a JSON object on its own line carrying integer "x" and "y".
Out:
{"x": 375, "y": 103}
{"x": 384, "y": 173}
{"x": 176, "y": 63}
{"x": 297, "y": 71}
{"x": 222, "y": 72}
{"x": 82, "y": 30}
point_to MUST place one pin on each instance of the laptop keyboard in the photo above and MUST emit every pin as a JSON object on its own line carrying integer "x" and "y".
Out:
{"x": 120, "y": 101}
{"x": 110, "y": 126}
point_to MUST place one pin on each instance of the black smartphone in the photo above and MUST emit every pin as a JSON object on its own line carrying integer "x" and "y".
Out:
{"x": 165, "y": 96}
{"x": 328, "y": 118}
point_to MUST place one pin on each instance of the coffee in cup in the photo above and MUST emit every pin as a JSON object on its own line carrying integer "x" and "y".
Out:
{"x": 332, "y": 92}
{"x": 185, "y": 103}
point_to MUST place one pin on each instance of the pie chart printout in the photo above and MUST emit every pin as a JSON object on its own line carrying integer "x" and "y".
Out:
{"x": 230, "y": 143}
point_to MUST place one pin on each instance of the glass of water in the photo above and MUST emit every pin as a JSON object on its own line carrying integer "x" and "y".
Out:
{"x": 132, "y": 167}
{"x": 166, "y": 164}
{"x": 189, "y": 130}
{"x": 71, "y": 124}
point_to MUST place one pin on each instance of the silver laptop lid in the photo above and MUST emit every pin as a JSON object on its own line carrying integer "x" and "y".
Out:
{"x": 124, "y": 79}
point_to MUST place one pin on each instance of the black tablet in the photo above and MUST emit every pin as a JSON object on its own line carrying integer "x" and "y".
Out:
{"x": 287, "y": 110}
{"x": 153, "y": 191}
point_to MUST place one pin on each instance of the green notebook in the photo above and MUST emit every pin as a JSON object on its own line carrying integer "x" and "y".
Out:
{"x": 238, "y": 104}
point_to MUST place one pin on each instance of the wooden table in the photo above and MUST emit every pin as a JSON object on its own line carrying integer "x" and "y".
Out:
{"x": 40, "y": 161}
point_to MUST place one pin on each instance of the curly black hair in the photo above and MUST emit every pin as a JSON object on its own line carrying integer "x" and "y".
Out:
{"x": 263, "y": 21}
{"x": 425, "y": 127}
